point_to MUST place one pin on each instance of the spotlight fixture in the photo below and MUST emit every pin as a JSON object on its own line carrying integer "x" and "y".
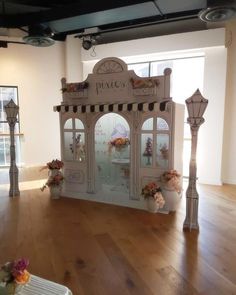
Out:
{"x": 88, "y": 42}
{"x": 218, "y": 11}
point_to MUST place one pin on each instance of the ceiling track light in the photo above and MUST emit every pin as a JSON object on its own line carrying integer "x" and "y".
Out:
{"x": 88, "y": 41}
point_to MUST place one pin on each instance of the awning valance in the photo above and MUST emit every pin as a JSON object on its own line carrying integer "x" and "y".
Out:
{"x": 113, "y": 107}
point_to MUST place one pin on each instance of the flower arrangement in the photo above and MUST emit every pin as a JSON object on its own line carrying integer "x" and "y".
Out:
{"x": 118, "y": 143}
{"x": 55, "y": 175}
{"x": 171, "y": 180}
{"x": 152, "y": 190}
{"x": 55, "y": 164}
{"x": 14, "y": 274}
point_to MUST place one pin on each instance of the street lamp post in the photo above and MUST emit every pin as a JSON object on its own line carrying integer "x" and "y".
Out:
{"x": 196, "y": 105}
{"x": 12, "y": 110}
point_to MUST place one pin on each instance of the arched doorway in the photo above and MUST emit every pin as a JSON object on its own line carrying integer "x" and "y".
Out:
{"x": 112, "y": 153}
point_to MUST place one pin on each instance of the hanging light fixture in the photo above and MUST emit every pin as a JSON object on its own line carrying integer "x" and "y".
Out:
{"x": 40, "y": 36}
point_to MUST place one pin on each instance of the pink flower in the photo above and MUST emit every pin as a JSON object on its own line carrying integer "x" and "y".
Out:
{"x": 19, "y": 267}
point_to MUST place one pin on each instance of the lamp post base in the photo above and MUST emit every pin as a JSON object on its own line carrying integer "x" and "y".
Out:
{"x": 14, "y": 194}
{"x": 189, "y": 226}
{"x": 191, "y": 219}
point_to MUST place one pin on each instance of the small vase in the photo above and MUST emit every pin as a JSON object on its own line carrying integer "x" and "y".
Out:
{"x": 171, "y": 198}
{"x": 55, "y": 191}
{"x": 152, "y": 205}
{"x": 53, "y": 172}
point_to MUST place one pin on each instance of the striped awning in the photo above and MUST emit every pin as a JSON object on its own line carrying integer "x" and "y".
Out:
{"x": 119, "y": 107}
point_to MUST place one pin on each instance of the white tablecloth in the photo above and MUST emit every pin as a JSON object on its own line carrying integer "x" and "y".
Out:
{"x": 39, "y": 286}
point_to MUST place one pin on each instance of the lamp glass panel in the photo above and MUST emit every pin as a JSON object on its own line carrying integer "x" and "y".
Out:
{"x": 190, "y": 109}
{"x": 196, "y": 109}
{"x": 202, "y": 108}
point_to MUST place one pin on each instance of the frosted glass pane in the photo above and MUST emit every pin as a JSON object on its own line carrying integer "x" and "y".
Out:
{"x": 68, "y": 146}
{"x": 79, "y": 147}
{"x": 112, "y": 158}
{"x": 79, "y": 124}
{"x": 162, "y": 150}
{"x": 68, "y": 124}
{"x": 146, "y": 149}
{"x": 162, "y": 124}
{"x": 148, "y": 124}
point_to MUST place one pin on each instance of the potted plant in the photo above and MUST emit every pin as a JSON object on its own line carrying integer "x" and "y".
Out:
{"x": 171, "y": 188}
{"x": 55, "y": 178}
{"x": 14, "y": 276}
{"x": 152, "y": 193}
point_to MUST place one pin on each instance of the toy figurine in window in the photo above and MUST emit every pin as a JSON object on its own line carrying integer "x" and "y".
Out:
{"x": 164, "y": 151}
{"x": 79, "y": 149}
{"x": 148, "y": 150}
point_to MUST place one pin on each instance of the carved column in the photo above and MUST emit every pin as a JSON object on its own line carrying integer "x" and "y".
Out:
{"x": 191, "y": 219}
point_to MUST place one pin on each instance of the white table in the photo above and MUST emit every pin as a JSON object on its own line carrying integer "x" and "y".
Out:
{"x": 39, "y": 286}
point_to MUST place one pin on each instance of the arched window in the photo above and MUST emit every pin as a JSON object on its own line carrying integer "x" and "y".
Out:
{"x": 74, "y": 140}
{"x": 155, "y": 142}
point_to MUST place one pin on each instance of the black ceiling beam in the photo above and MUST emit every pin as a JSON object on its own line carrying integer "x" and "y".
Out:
{"x": 170, "y": 17}
{"x": 141, "y": 22}
{"x": 80, "y": 8}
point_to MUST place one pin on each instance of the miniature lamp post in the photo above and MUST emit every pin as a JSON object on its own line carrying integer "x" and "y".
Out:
{"x": 196, "y": 105}
{"x": 12, "y": 110}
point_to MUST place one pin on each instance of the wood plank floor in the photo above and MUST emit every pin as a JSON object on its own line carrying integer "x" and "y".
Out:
{"x": 103, "y": 249}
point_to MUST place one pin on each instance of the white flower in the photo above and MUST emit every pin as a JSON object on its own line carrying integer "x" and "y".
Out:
{"x": 159, "y": 199}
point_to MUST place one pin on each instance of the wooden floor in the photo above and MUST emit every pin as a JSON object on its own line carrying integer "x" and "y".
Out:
{"x": 102, "y": 249}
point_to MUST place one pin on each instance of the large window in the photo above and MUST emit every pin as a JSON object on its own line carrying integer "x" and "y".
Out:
{"x": 6, "y": 94}
{"x": 74, "y": 140}
{"x": 186, "y": 77}
{"x": 155, "y": 143}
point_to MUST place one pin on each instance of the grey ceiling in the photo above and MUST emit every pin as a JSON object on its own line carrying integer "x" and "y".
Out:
{"x": 113, "y": 20}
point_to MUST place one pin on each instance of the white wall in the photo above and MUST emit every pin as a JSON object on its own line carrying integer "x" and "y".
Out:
{"x": 211, "y": 132}
{"x": 73, "y": 64}
{"x": 209, "y": 43}
{"x": 229, "y": 148}
{"x": 37, "y": 73}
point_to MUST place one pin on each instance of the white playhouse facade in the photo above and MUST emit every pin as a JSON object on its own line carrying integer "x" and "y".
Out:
{"x": 118, "y": 133}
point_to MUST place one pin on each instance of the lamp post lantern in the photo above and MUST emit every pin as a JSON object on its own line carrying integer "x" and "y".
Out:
{"x": 196, "y": 105}
{"x": 12, "y": 110}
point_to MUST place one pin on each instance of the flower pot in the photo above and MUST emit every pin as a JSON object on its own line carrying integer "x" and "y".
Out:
{"x": 11, "y": 289}
{"x": 152, "y": 205}
{"x": 171, "y": 198}
{"x": 55, "y": 191}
